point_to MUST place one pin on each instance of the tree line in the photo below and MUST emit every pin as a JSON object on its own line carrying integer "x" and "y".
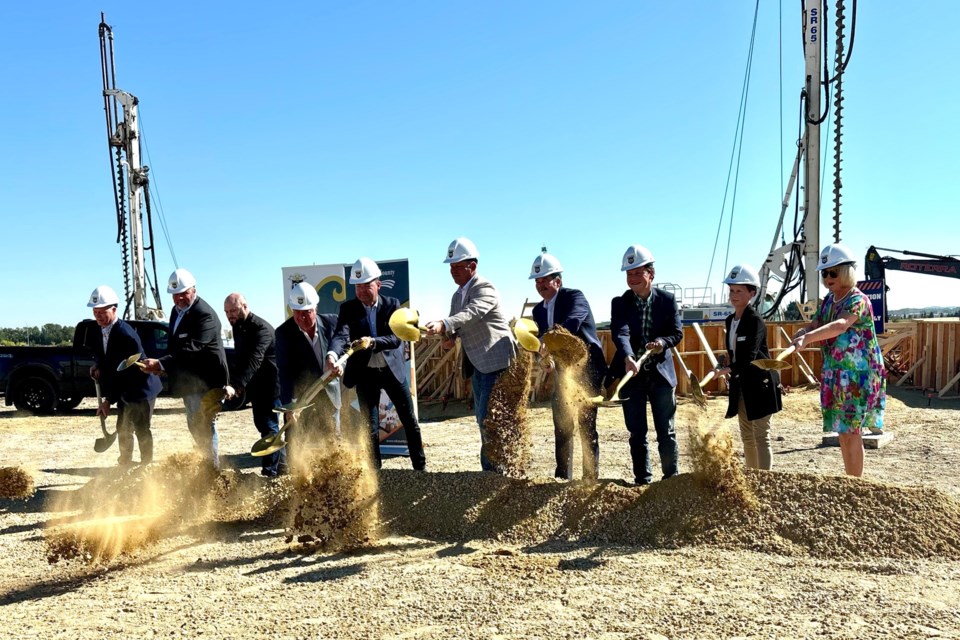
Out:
{"x": 48, "y": 335}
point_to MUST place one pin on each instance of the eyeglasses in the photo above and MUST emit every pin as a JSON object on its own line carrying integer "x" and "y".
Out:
{"x": 830, "y": 274}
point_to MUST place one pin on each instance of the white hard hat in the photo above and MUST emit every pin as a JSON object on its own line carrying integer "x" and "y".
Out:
{"x": 635, "y": 257}
{"x": 743, "y": 274}
{"x": 834, "y": 254}
{"x": 545, "y": 265}
{"x": 364, "y": 270}
{"x": 461, "y": 249}
{"x": 103, "y": 296}
{"x": 303, "y": 297}
{"x": 180, "y": 280}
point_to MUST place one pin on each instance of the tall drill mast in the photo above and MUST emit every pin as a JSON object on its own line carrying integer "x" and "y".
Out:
{"x": 130, "y": 186}
{"x": 812, "y": 35}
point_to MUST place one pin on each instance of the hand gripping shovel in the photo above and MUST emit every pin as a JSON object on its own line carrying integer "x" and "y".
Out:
{"x": 270, "y": 444}
{"x": 775, "y": 364}
{"x": 614, "y": 399}
{"x": 103, "y": 443}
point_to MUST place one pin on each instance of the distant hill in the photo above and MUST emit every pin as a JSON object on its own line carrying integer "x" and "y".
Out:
{"x": 925, "y": 312}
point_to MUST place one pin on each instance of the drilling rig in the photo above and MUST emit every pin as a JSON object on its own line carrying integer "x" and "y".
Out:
{"x": 130, "y": 189}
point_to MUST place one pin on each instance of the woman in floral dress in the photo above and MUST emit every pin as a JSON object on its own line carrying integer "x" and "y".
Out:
{"x": 854, "y": 380}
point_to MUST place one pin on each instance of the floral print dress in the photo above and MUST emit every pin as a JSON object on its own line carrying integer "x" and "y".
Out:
{"x": 853, "y": 393}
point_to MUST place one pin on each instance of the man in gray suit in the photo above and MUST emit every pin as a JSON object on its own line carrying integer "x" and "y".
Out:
{"x": 476, "y": 319}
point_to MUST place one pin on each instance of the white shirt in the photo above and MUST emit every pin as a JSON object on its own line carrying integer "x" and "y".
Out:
{"x": 105, "y": 333}
{"x": 732, "y": 338}
{"x": 180, "y": 315}
{"x": 549, "y": 306}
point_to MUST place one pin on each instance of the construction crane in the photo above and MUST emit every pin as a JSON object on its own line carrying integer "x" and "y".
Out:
{"x": 130, "y": 189}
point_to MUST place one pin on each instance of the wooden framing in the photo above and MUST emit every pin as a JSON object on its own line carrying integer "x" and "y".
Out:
{"x": 926, "y": 350}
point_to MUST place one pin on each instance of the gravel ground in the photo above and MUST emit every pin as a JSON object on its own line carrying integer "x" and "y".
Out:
{"x": 460, "y": 554}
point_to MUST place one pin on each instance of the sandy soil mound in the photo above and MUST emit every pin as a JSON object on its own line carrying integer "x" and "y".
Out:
{"x": 797, "y": 514}
{"x": 16, "y": 483}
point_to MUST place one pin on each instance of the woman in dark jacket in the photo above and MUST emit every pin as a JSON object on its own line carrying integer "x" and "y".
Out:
{"x": 754, "y": 393}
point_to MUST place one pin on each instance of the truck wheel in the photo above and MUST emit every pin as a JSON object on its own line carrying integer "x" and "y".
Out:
{"x": 36, "y": 395}
{"x": 66, "y": 404}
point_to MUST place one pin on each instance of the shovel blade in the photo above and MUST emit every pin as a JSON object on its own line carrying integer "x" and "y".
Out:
{"x": 134, "y": 359}
{"x": 268, "y": 445}
{"x": 102, "y": 444}
{"x": 696, "y": 391}
{"x": 769, "y": 364}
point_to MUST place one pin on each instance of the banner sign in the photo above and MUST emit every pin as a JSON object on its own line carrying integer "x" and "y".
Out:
{"x": 875, "y": 292}
{"x": 331, "y": 282}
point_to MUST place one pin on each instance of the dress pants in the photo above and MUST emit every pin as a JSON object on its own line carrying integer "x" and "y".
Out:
{"x": 133, "y": 418}
{"x": 368, "y": 395}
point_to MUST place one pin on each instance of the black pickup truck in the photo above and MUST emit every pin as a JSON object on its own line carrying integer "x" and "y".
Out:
{"x": 45, "y": 379}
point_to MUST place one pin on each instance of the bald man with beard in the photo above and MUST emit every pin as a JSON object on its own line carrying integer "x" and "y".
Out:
{"x": 253, "y": 372}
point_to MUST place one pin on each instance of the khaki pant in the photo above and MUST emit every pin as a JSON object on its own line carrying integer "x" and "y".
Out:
{"x": 755, "y": 434}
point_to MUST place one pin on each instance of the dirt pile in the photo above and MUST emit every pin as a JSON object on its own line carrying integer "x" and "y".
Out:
{"x": 796, "y": 514}
{"x": 333, "y": 500}
{"x": 508, "y": 437}
{"x": 16, "y": 483}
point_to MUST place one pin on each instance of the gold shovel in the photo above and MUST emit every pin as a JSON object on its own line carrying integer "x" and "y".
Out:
{"x": 102, "y": 444}
{"x": 270, "y": 444}
{"x": 405, "y": 324}
{"x": 775, "y": 364}
{"x": 696, "y": 387}
{"x": 614, "y": 398}
{"x": 129, "y": 362}
{"x": 526, "y": 332}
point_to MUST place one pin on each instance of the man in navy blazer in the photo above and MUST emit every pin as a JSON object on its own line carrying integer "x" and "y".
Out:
{"x": 568, "y": 308}
{"x": 647, "y": 319}
{"x": 303, "y": 341}
{"x": 195, "y": 361}
{"x": 380, "y": 365}
{"x": 133, "y": 391}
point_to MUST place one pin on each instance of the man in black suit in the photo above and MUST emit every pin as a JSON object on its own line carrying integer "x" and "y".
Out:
{"x": 302, "y": 343}
{"x": 132, "y": 390}
{"x": 195, "y": 360}
{"x": 254, "y": 374}
{"x": 380, "y": 366}
{"x": 568, "y": 308}
{"x": 647, "y": 319}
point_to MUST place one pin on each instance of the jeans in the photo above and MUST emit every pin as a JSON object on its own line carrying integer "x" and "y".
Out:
{"x": 482, "y": 384}
{"x": 134, "y": 418}
{"x": 650, "y": 385}
{"x": 267, "y": 422}
{"x": 368, "y": 395}
{"x": 204, "y": 433}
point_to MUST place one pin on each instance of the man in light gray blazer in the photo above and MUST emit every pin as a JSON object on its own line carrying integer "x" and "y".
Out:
{"x": 476, "y": 319}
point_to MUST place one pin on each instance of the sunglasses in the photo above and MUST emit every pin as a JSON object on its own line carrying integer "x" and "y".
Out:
{"x": 830, "y": 273}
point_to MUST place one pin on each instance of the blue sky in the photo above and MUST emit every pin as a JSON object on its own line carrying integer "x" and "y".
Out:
{"x": 299, "y": 133}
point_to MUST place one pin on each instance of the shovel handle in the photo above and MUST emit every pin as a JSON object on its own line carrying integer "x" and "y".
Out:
{"x": 786, "y": 352}
{"x": 623, "y": 381}
{"x": 707, "y": 378}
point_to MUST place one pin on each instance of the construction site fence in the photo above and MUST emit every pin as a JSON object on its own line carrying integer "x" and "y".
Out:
{"x": 923, "y": 354}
